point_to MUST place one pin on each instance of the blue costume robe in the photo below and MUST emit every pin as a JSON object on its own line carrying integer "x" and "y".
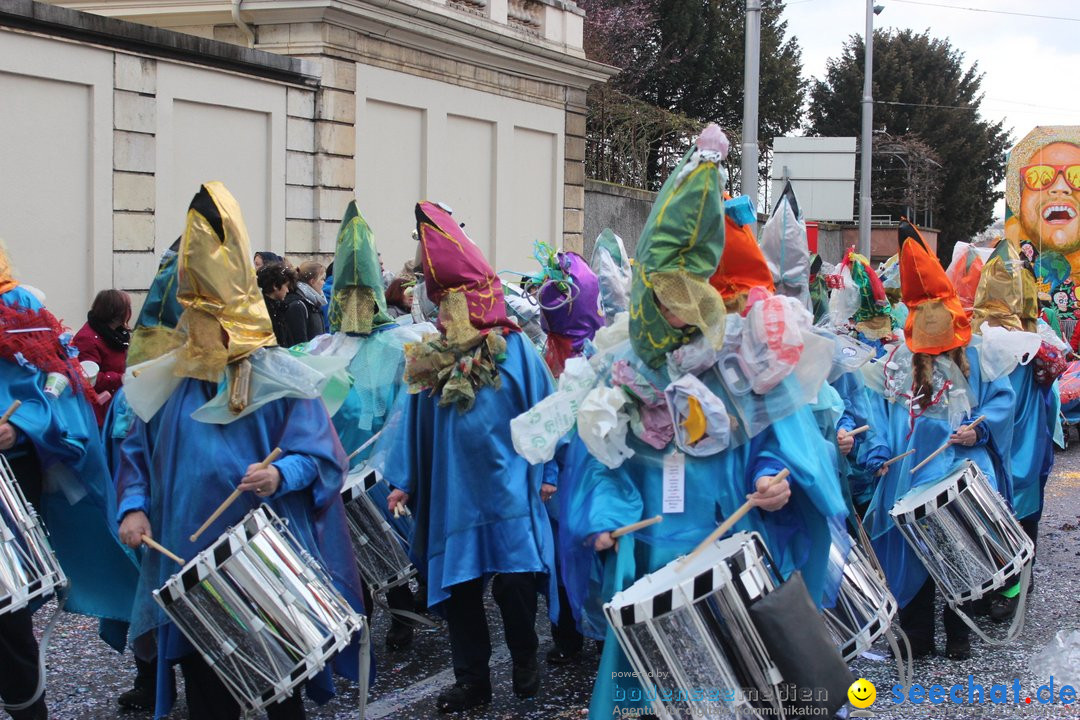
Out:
{"x": 798, "y": 535}
{"x": 1032, "y": 455}
{"x": 63, "y": 434}
{"x": 476, "y": 501}
{"x": 157, "y": 475}
{"x": 903, "y": 569}
{"x": 871, "y": 447}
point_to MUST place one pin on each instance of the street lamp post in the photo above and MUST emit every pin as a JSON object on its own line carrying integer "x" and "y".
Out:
{"x": 751, "y": 73}
{"x": 867, "y": 130}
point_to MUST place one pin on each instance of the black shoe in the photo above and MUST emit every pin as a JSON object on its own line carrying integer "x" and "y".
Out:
{"x": 142, "y": 695}
{"x": 463, "y": 696}
{"x": 919, "y": 648}
{"x": 526, "y": 680}
{"x": 399, "y": 636}
{"x": 555, "y": 656}
{"x": 1003, "y": 608}
{"x": 958, "y": 648}
{"x": 980, "y": 607}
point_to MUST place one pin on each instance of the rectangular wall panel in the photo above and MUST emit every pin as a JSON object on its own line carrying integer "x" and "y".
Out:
{"x": 532, "y": 194}
{"x": 468, "y": 178}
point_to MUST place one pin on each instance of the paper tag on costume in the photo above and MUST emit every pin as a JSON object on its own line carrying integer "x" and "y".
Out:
{"x": 674, "y": 482}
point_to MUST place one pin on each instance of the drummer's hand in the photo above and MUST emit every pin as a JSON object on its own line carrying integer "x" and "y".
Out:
{"x": 546, "y": 491}
{"x": 7, "y": 436}
{"x": 603, "y": 541}
{"x": 882, "y": 471}
{"x": 264, "y": 482}
{"x": 770, "y": 495}
{"x": 845, "y": 441}
{"x": 964, "y": 435}
{"x": 396, "y": 497}
{"x": 132, "y": 528}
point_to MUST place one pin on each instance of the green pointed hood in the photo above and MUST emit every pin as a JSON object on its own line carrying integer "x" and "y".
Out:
{"x": 679, "y": 250}
{"x": 358, "y": 300}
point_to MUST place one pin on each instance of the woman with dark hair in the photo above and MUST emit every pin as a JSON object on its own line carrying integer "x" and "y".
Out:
{"x": 264, "y": 258}
{"x": 104, "y": 340}
{"x": 276, "y": 282}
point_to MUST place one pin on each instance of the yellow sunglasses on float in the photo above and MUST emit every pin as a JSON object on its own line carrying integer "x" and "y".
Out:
{"x": 1040, "y": 177}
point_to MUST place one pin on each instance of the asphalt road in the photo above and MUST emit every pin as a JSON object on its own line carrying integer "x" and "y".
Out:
{"x": 85, "y": 676}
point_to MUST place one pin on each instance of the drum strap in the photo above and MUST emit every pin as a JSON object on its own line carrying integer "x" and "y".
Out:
{"x": 364, "y": 668}
{"x": 1017, "y": 624}
{"x": 895, "y": 637}
{"x": 410, "y": 617}
{"x": 43, "y": 647}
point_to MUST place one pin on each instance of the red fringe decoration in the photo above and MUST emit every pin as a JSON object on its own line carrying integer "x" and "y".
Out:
{"x": 559, "y": 349}
{"x": 40, "y": 346}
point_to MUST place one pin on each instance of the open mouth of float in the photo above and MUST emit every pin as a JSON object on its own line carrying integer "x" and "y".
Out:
{"x": 1058, "y": 213}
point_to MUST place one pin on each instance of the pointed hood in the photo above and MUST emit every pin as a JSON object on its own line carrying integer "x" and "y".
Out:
{"x": 358, "y": 301}
{"x": 457, "y": 277}
{"x": 612, "y": 267}
{"x": 7, "y": 278}
{"x": 679, "y": 250}
{"x": 936, "y": 322}
{"x": 155, "y": 330}
{"x": 742, "y": 266}
{"x": 999, "y": 299}
{"x": 570, "y": 307}
{"x": 784, "y": 245}
{"x": 874, "y": 315}
{"x": 217, "y": 288}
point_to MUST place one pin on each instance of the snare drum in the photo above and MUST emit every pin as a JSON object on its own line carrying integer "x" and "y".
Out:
{"x": 261, "y": 610}
{"x": 379, "y": 556}
{"x": 864, "y": 606}
{"x": 689, "y": 637}
{"x": 965, "y": 535}
{"x": 28, "y": 567}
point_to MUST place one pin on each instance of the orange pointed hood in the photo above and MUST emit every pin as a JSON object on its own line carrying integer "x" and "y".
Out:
{"x": 936, "y": 321}
{"x": 742, "y": 266}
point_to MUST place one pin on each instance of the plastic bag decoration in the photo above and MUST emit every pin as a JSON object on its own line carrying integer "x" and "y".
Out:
{"x": 217, "y": 288}
{"x": 612, "y": 267}
{"x": 964, "y": 271}
{"x": 701, "y": 422}
{"x": 936, "y": 321}
{"x": 358, "y": 301}
{"x": 861, "y": 299}
{"x": 784, "y": 244}
{"x": 679, "y": 250}
{"x": 772, "y": 340}
{"x": 742, "y": 266}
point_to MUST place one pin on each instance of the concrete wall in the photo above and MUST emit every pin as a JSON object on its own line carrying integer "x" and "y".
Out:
{"x": 834, "y": 240}
{"x": 620, "y": 208}
{"x": 118, "y": 124}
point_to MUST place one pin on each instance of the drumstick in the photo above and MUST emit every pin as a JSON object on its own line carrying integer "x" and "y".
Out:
{"x": 942, "y": 449}
{"x": 151, "y": 543}
{"x": 634, "y": 527}
{"x": 899, "y": 457}
{"x": 857, "y": 431}
{"x": 363, "y": 447}
{"x": 10, "y": 411}
{"x": 233, "y": 496}
{"x": 730, "y": 521}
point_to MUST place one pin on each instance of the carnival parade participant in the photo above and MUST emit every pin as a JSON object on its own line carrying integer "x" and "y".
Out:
{"x": 207, "y": 413}
{"x": 478, "y": 509}
{"x": 52, "y": 444}
{"x": 935, "y": 389}
{"x": 571, "y": 312}
{"x": 1007, "y": 299}
{"x": 365, "y": 335}
{"x": 676, "y": 325}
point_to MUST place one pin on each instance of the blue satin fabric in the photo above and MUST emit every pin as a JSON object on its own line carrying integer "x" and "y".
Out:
{"x": 1032, "y": 455}
{"x": 64, "y": 436}
{"x": 475, "y": 500}
{"x": 601, "y": 499}
{"x": 871, "y": 447}
{"x": 903, "y": 569}
{"x": 178, "y": 471}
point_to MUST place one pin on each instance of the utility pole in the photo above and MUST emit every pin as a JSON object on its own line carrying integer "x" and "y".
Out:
{"x": 867, "y": 142}
{"x": 751, "y": 78}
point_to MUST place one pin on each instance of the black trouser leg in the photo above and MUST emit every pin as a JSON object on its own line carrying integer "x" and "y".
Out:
{"x": 955, "y": 627}
{"x": 515, "y": 594}
{"x": 209, "y": 699}
{"x": 400, "y": 597}
{"x": 917, "y": 617}
{"x": 470, "y": 642}
{"x": 567, "y": 639}
{"x": 19, "y": 663}
{"x": 1031, "y": 527}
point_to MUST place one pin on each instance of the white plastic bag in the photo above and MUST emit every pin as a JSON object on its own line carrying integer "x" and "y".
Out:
{"x": 696, "y": 410}
{"x": 844, "y": 301}
{"x": 537, "y": 431}
{"x": 783, "y": 242}
{"x": 772, "y": 340}
{"x": 1002, "y": 350}
{"x": 602, "y": 425}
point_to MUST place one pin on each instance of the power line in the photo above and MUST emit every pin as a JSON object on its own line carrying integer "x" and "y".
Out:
{"x": 926, "y": 105}
{"x": 985, "y": 10}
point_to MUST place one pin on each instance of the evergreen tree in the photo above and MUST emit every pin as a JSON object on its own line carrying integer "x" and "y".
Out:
{"x": 922, "y": 90}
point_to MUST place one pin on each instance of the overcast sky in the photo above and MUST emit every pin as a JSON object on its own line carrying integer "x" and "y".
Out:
{"x": 1028, "y": 62}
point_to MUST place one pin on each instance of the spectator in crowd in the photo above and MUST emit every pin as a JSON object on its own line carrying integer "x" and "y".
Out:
{"x": 312, "y": 278}
{"x": 276, "y": 281}
{"x": 266, "y": 257}
{"x": 104, "y": 340}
